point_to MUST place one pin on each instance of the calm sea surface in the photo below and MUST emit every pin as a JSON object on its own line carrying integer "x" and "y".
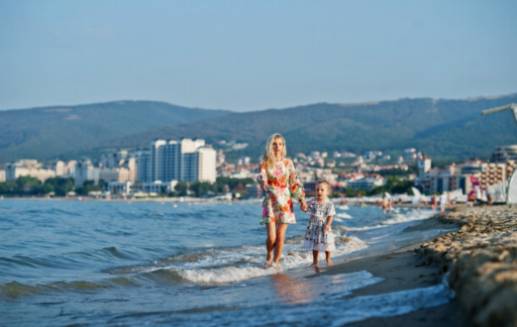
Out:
{"x": 151, "y": 263}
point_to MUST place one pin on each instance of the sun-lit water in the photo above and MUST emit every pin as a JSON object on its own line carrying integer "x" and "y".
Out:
{"x": 121, "y": 263}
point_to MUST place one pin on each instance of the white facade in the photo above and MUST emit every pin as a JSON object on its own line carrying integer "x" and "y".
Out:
{"x": 2, "y": 175}
{"x": 185, "y": 160}
{"x": 31, "y": 168}
{"x": 60, "y": 168}
{"x": 85, "y": 171}
{"x": 190, "y": 146}
{"x": 207, "y": 164}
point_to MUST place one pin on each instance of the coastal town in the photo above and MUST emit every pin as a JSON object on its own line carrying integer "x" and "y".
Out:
{"x": 192, "y": 167}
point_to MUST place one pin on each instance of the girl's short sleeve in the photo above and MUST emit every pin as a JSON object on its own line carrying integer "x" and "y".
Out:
{"x": 331, "y": 211}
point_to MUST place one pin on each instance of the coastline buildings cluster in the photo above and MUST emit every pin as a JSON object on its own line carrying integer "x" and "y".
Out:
{"x": 155, "y": 170}
{"x": 471, "y": 177}
{"x": 165, "y": 163}
{"x": 168, "y": 162}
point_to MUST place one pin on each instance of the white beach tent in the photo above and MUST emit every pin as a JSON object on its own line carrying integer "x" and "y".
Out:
{"x": 512, "y": 189}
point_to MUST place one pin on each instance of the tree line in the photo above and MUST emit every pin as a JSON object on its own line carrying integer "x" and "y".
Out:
{"x": 60, "y": 186}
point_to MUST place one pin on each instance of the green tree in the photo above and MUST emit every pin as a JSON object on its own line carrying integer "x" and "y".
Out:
{"x": 201, "y": 189}
{"x": 59, "y": 185}
{"x": 181, "y": 189}
{"x": 87, "y": 187}
{"x": 8, "y": 188}
{"x": 28, "y": 185}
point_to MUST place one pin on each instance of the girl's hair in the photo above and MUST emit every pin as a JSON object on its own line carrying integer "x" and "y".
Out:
{"x": 268, "y": 154}
{"x": 326, "y": 183}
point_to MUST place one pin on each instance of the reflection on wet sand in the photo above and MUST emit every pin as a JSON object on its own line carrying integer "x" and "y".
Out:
{"x": 292, "y": 290}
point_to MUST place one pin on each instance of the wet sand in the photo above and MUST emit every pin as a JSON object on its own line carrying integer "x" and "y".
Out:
{"x": 404, "y": 269}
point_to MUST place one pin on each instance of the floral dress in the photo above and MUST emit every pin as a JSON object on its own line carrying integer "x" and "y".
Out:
{"x": 316, "y": 239}
{"x": 280, "y": 185}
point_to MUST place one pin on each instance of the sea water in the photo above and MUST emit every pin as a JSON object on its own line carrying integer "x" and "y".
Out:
{"x": 68, "y": 262}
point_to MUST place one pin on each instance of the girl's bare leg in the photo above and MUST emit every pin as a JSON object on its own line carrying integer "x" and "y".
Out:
{"x": 328, "y": 258}
{"x": 280, "y": 238}
{"x": 270, "y": 242}
{"x": 315, "y": 257}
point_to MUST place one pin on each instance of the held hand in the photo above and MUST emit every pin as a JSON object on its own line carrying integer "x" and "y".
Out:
{"x": 326, "y": 228}
{"x": 303, "y": 206}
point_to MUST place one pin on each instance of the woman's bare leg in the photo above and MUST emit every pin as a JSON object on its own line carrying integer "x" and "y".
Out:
{"x": 270, "y": 242}
{"x": 328, "y": 258}
{"x": 280, "y": 238}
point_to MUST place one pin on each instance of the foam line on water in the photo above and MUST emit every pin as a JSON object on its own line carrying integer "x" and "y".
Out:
{"x": 253, "y": 268}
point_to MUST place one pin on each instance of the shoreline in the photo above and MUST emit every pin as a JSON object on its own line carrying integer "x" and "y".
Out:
{"x": 404, "y": 269}
{"x": 478, "y": 261}
{"x": 481, "y": 259}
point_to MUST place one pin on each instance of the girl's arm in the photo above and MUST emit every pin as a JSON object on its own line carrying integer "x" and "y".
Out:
{"x": 330, "y": 219}
{"x": 331, "y": 211}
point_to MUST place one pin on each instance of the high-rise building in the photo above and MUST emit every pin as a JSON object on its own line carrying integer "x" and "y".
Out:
{"x": 207, "y": 164}
{"x": 190, "y": 167}
{"x": 172, "y": 161}
{"x": 143, "y": 167}
{"x": 185, "y": 160}
{"x": 86, "y": 171}
{"x": 157, "y": 160}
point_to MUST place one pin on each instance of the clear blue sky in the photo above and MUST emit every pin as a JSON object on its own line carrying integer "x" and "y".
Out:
{"x": 251, "y": 55}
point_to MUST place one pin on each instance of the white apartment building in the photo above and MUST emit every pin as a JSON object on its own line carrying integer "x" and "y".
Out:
{"x": 185, "y": 160}
{"x": 85, "y": 171}
{"x": 207, "y": 164}
{"x": 31, "y": 168}
{"x": 2, "y": 175}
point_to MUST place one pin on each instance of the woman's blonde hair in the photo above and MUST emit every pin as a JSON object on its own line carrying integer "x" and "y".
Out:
{"x": 268, "y": 154}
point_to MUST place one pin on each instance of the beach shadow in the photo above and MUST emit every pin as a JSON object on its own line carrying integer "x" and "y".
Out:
{"x": 292, "y": 290}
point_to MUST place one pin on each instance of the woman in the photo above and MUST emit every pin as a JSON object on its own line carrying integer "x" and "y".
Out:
{"x": 280, "y": 185}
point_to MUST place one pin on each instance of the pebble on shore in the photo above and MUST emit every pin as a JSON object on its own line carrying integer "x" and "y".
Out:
{"x": 481, "y": 259}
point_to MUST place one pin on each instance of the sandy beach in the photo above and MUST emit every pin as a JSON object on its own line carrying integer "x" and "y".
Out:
{"x": 403, "y": 270}
{"x": 481, "y": 258}
{"x": 478, "y": 261}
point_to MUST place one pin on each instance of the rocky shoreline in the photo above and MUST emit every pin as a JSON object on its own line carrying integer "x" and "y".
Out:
{"x": 481, "y": 260}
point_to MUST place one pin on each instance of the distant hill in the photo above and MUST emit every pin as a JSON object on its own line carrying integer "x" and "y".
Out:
{"x": 66, "y": 131}
{"x": 445, "y": 129}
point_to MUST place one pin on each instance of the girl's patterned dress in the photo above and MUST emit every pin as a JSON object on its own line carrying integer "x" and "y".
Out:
{"x": 280, "y": 185}
{"x": 316, "y": 239}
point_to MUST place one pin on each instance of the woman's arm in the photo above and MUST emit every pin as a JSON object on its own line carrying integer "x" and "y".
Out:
{"x": 296, "y": 186}
{"x": 262, "y": 177}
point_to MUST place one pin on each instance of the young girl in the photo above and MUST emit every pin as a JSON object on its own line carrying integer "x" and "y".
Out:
{"x": 319, "y": 236}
